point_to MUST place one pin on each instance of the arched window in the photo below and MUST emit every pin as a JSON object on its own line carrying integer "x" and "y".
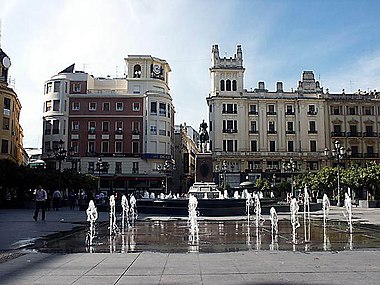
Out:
{"x": 221, "y": 85}
{"x": 234, "y": 85}
{"x": 137, "y": 71}
{"x": 228, "y": 85}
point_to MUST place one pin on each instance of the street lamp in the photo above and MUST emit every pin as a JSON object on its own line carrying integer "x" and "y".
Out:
{"x": 224, "y": 169}
{"x": 338, "y": 153}
{"x": 59, "y": 154}
{"x": 292, "y": 167}
{"x": 101, "y": 166}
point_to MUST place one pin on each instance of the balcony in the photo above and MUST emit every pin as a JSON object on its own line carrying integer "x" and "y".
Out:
{"x": 371, "y": 155}
{"x": 271, "y": 113}
{"x": 253, "y": 113}
{"x": 91, "y": 131}
{"x": 338, "y": 134}
{"x": 356, "y": 155}
{"x": 289, "y": 113}
{"x": 229, "y": 131}
{"x": 354, "y": 134}
{"x": 370, "y": 134}
{"x": 312, "y": 113}
{"x": 229, "y": 112}
{"x": 290, "y": 132}
{"x": 253, "y": 131}
{"x": 313, "y": 132}
{"x": 272, "y": 132}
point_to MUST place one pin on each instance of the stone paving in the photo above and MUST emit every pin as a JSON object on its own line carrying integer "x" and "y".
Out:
{"x": 245, "y": 267}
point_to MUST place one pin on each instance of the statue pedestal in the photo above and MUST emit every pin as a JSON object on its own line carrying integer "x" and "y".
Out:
{"x": 203, "y": 167}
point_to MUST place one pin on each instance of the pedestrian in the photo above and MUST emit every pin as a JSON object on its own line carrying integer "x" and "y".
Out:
{"x": 72, "y": 200}
{"x": 41, "y": 197}
{"x": 48, "y": 200}
{"x": 56, "y": 199}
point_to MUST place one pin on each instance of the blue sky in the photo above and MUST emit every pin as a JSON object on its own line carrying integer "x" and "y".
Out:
{"x": 338, "y": 40}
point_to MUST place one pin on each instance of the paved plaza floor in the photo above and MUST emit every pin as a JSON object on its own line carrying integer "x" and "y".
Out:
{"x": 18, "y": 266}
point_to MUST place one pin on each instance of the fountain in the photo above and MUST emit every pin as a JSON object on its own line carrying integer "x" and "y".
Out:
{"x": 193, "y": 220}
{"x": 92, "y": 216}
{"x": 274, "y": 224}
{"x": 348, "y": 206}
{"x": 325, "y": 208}
{"x": 132, "y": 210}
{"x": 125, "y": 212}
{"x": 294, "y": 207}
{"x": 113, "y": 229}
{"x": 306, "y": 214}
{"x": 259, "y": 219}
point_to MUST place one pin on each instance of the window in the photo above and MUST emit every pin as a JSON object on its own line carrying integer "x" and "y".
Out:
{"x": 75, "y": 147}
{"x": 253, "y": 127}
{"x": 118, "y": 127}
{"x": 228, "y": 85}
{"x": 47, "y": 129}
{"x": 4, "y": 146}
{"x": 135, "y": 167}
{"x": 57, "y": 85}
{"x": 7, "y": 103}
{"x": 92, "y": 126}
{"x": 312, "y": 110}
{"x": 92, "y": 106}
{"x": 228, "y": 145}
{"x": 210, "y": 108}
{"x": 118, "y": 146}
{"x": 222, "y": 85}
{"x": 106, "y": 106}
{"x": 162, "y": 109}
{"x": 47, "y": 106}
{"x": 367, "y": 110}
{"x": 271, "y": 110}
{"x": 136, "y": 106}
{"x": 290, "y": 146}
{"x": 352, "y": 110}
{"x": 313, "y": 146}
{"x": 105, "y": 126}
{"x": 336, "y": 110}
{"x": 135, "y": 147}
{"x": 136, "y": 89}
{"x": 91, "y": 167}
{"x": 55, "y": 127}
{"x": 229, "y": 109}
{"x": 135, "y": 127}
{"x": 153, "y": 108}
{"x": 5, "y": 123}
{"x": 290, "y": 127}
{"x": 76, "y": 87}
{"x": 137, "y": 71}
{"x": 105, "y": 146}
{"x": 66, "y": 87}
{"x": 289, "y": 110}
{"x": 75, "y": 106}
{"x": 47, "y": 146}
{"x": 272, "y": 146}
{"x": 49, "y": 87}
{"x": 153, "y": 130}
{"x": 169, "y": 109}
{"x": 75, "y": 126}
{"x": 353, "y": 130}
{"x": 271, "y": 128}
{"x": 119, "y": 106}
{"x": 253, "y": 109}
{"x": 370, "y": 151}
{"x": 56, "y": 105}
{"x": 210, "y": 124}
{"x": 229, "y": 126}
{"x": 254, "y": 146}
{"x": 234, "y": 85}
{"x": 312, "y": 127}
{"x": 91, "y": 147}
{"x": 118, "y": 168}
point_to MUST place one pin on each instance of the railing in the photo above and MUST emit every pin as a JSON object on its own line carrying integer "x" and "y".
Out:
{"x": 354, "y": 134}
{"x": 338, "y": 134}
{"x": 312, "y": 113}
{"x": 229, "y": 131}
{"x": 287, "y": 113}
{"x": 229, "y": 112}
{"x": 253, "y": 113}
{"x": 289, "y": 132}
{"x": 313, "y": 132}
{"x": 371, "y": 155}
{"x": 253, "y": 131}
{"x": 272, "y": 132}
{"x": 370, "y": 134}
{"x": 271, "y": 113}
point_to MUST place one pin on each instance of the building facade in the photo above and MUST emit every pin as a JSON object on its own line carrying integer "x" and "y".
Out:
{"x": 11, "y": 133}
{"x": 121, "y": 129}
{"x": 258, "y": 132}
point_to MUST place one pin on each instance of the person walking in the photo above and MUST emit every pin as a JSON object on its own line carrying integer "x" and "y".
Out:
{"x": 56, "y": 199}
{"x": 72, "y": 200}
{"x": 41, "y": 197}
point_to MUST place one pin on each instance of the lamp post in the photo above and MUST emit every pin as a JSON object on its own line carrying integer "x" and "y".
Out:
{"x": 59, "y": 154}
{"x": 224, "y": 169}
{"x": 167, "y": 168}
{"x": 291, "y": 166}
{"x": 101, "y": 166}
{"x": 338, "y": 153}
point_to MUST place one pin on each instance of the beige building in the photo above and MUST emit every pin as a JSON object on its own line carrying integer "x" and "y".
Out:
{"x": 11, "y": 134}
{"x": 257, "y": 132}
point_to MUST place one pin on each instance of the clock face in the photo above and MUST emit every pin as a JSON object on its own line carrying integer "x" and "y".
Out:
{"x": 6, "y": 62}
{"x": 156, "y": 69}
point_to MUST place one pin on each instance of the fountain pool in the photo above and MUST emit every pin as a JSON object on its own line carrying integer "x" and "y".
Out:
{"x": 172, "y": 235}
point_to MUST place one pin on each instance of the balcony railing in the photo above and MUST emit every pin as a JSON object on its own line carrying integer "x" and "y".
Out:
{"x": 290, "y": 132}
{"x": 229, "y": 112}
{"x": 289, "y": 113}
{"x": 371, "y": 155}
{"x": 253, "y": 113}
{"x": 272, "y": 132}
{"x": 356, "y": 155}
{"x": 253, "y": 131}
{"x": 338, "y": 134}
{"x": 354, "y": 134}
{"x": 229, "y": 131}
{"x": 271, "y": 113}
{"x": 370, "y": 134}
{"x": 313, "y": 132}
{"x": 312, "y": 113}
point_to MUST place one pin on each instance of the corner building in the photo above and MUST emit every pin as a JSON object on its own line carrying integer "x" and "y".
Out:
{"x": 258, "y": 131}
{"x": 11, "y": 133}
{"x": 126, "y": 123}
